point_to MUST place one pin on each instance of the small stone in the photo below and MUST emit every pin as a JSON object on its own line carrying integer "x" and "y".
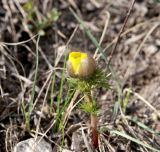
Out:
{"x": 158, "y": 42}
{"x": 32, "y": 145}
{"x": 150, "y": 50}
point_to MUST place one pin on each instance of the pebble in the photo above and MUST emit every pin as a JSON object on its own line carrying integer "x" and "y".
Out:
{"x": 32, "y": 145}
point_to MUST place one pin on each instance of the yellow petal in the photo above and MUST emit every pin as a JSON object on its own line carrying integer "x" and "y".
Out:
{"x": 75, "y": 58}
{"x": 80, "y": 65}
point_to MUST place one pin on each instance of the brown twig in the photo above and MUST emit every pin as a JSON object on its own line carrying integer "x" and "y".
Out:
{"x": 121, "y": 31}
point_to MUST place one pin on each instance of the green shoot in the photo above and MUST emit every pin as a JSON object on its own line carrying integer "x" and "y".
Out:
{"x": 30, "y": 108}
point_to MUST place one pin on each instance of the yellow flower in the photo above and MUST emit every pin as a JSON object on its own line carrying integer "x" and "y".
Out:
{"x": 80, "y": 65}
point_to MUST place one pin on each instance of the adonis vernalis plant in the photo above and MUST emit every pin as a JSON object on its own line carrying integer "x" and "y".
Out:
{"x": 84, "y": 75}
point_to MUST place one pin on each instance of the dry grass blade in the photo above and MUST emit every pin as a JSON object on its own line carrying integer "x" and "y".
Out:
{"x": 139, "y": 25}
{"x": 86, "y": 141}
{"x": 108, "y": 144}
{"x": 70, "y": 107}
{"x": 121, "y": 31}
{"x": 44, "y": 102}
{"x": 134, "y": 140}
{"x": 128, "y": 72}
{"x": 145, "y": 38}
{"x": 18, "y": 43}
{"x": 103, "y": 33}
{"x": 24, "y": 79}
{"x": 42, "y": 89}
{"x": 89, "y": 34}
{"x": 145, "y": 101}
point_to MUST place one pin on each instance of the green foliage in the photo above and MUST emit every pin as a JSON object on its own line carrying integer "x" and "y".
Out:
{"x": 97, "y": 80}
{"x": 29, "y": 8}
{"x": 158, "y": 1}
{"x": 58, "y": 110}
{"x": 143, "y": 126}
{"x": 125, "y": 100}
{"x": 39, "y": 25}
{"x": 47, "y": 21}
{"x": 28, "y": 112}
{"x": 89, "y": 107}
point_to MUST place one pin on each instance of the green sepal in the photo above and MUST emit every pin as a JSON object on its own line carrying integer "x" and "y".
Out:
{"x": 97, "y": 80}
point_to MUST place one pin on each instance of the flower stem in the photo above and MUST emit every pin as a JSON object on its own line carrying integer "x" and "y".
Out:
{"x": 94, "y": 130}
{"x": 93, "y": 117}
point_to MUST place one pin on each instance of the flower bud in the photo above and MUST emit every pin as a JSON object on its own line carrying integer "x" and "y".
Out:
{"x": 80, "y": 65}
